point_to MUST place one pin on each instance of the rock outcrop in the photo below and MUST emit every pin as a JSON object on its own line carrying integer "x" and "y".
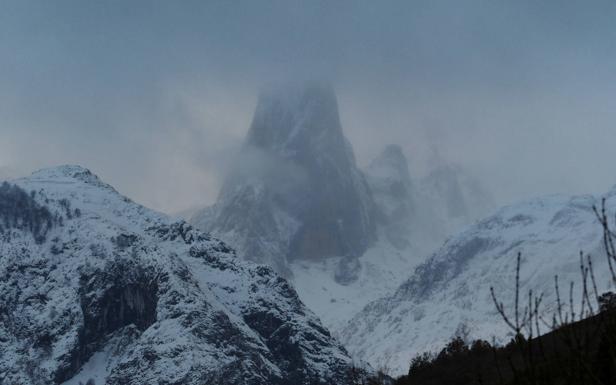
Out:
{"x": 94, "y": 286}
{"x": 296, "y": 193}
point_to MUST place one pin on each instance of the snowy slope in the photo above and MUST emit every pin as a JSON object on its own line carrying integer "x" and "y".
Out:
{"x": 377, "y": 273}
{"x": 449, "y": 294}
{"x": 95, "y": 286}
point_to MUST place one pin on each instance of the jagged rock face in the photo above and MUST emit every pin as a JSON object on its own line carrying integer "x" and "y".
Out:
{"x": 407, "y": 214}
{"x": 450, "y": 291}
{"x": 391, "y": 163}
{"x": 347, "y": 270}
{"x": 394, "y": 193}
{"x": 297, "y": 193}
{"x": 111, "y": 291}
{"x": 457, "y": 198}
{"x": 338, "y": 288}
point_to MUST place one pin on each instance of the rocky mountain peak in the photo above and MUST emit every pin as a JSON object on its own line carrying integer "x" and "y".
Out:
{"x": 71, "y": 172}
{"x": 296, "y": 132}
{"x": 63, "y": 171}
{"x": 294, "y": 119}
{"x": 391, "y": 162}
{"x": 463, "y": 198}
{"x": 297, "y": 192}
{"x": 391, "y": 186}
{"x": 96, "y": 288}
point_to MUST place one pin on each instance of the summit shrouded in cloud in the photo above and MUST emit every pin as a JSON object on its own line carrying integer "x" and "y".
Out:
{"x": 167, "y": 91}
{"x": 295, "y": 199}
{"x": 296, "y": 191}
{"x": 345, "y": 153}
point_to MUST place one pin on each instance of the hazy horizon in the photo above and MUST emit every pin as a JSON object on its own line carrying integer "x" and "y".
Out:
{"x": 156, "y": 97}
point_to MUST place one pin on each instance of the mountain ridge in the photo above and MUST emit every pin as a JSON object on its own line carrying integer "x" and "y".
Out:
{"x": 449, "y": 294}
{"x": 296, "y": 188}
{"x": 121, "y": 294}
{"x": 297, "y": 172}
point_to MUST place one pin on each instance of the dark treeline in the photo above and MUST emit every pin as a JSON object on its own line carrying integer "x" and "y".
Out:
{"x": 579, "y": 353}
{"x": 19, "y": 210}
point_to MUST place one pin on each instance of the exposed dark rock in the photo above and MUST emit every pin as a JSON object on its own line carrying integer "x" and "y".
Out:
{"x": 19, "y": 210}
{"x": 347, "y": 270}
{"x": 123, "y": 294}
{"x": 297, "y": 192}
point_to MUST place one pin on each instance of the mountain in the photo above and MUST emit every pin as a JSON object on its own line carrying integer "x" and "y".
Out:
{"x": 409, "y": 208}
{"x": 296, "y": 192}
{"x": 94, "y": 286}
{"x": 340, "y": 287}
{"x": 297, "y": 201}
{"x": 394, "y": 193}
{"x": 411, "y": 223}
{"x": 449, "y": 294}
{"x": 455, "y": 198}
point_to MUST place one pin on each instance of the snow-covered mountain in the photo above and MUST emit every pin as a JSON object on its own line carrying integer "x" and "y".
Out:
{"x": 94, "y": 286}
{"x": 449, "y": 294}
{"x": 409, "y": 209}
{"x": 298, "y": 202}
{"x": 296, "y": 193}
{"x": 455, "y": 198}
{"x": 339, "y": 287}
{"x": 394, "y": 193}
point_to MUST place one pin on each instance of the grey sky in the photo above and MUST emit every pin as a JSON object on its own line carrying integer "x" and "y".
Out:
{"x": 156, "y": 96}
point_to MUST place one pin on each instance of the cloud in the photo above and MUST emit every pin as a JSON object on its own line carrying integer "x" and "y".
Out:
{"x": 156, "y": 97}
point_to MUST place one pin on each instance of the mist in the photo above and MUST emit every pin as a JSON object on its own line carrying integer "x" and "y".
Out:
{"x": 156, "y": 97}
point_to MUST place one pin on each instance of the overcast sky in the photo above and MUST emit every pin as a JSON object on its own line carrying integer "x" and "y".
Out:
{"x": 155, "y": 97}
